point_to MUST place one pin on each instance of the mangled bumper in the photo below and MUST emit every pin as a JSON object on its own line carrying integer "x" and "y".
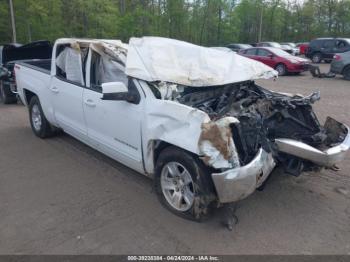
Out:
{"x": 328, "y": 157}
{"x": 238, "y": 183}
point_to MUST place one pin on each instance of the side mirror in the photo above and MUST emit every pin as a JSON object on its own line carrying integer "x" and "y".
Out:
{"x": 117, "y": 91}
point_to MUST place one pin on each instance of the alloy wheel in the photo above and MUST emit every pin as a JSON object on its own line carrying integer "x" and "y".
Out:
{"x": 36, "y": 117}
{"x": 177, "y": 186}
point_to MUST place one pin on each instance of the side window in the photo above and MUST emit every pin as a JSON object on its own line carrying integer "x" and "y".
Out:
{"x": 69, "y": 64}
{"x": 105, "y": 70}
{"x": 251, "y": 51}
{"x": 328, "y": 44}
{"x": 341, "y": 44}
{"x": 263, "y": 52}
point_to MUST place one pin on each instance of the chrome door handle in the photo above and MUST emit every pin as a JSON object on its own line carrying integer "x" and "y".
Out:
{"x": 90, "y": 103}
{"x": 55, "y": 89}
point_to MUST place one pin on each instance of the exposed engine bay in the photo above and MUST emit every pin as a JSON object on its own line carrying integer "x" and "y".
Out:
{"x": 263, "y": 117}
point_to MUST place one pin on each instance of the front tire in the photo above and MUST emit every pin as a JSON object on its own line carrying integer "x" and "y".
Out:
{"x": 316, "y": 58}
{"x": 183, "y": 185}
{"x": 40, "y": 126}
{"x": 346, "y": 73}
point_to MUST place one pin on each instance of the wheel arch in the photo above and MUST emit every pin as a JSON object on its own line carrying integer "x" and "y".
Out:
{"x": 153, "y": 150}
{"x": 346, "y": 67}
{"x": 160, "y": 145}
{"x": 28, "y": 95}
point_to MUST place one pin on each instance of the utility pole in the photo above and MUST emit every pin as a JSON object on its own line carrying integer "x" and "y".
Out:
{"x": 13, "y": 23}
{"x": 261, "y": 21}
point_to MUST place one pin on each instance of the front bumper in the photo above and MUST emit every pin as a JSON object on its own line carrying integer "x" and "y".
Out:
{"x": 238, "y": 183}
{"x": 328, "y": 157}
{"x": 295, "y": 68}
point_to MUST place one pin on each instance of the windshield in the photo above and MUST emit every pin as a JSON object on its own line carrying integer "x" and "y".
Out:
{"x": 245, "y": 46}
{"x": 277, "y": 45}
{"x": 282, "y": 53}
{"x": 290, "y": 44}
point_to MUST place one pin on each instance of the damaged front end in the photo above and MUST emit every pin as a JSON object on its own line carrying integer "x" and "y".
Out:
{"x": 253, "y": 129}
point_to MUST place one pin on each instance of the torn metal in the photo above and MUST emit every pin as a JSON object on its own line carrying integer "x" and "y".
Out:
{"x": 216, "y": 144}
{"x": 245, "y": 117}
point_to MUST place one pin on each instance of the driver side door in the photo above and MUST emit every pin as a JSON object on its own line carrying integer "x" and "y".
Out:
{"x": 266, "y": 57}
{"x": 114, "y": 127}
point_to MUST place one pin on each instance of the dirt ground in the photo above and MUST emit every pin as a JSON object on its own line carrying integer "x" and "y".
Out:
{"x": 57, "y": 196}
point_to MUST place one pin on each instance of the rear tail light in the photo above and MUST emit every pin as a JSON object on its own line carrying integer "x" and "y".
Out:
{"x": 14, "y": 72}
{"x": 337, "y": 57}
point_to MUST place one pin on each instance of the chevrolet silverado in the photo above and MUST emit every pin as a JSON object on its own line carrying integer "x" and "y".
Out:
{"x": 192, "y": 118}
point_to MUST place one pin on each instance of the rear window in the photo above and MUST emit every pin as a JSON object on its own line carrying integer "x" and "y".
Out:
{"x": 263, "y": 52}
{"x": 317, "y": 43}
{"x": 250, "y": 51}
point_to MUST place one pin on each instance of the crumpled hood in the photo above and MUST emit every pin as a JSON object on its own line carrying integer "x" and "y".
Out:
{"x": 168, "y": 60}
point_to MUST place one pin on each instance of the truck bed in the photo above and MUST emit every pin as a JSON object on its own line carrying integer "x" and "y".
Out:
{"x": 43, "y": 65}
{"x": 34, "y": 76}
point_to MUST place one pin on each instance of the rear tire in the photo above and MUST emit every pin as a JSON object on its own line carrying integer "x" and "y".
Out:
{"x": 183, "y": 184}
{"x": 346, "y": 72}
{"x": 40, "y": 126}
{"x": 6, "y": 97}
{"x": 281, "y": 69}
{"x": 316, "y": 58}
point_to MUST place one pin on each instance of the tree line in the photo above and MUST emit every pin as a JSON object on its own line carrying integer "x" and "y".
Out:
{"x": 205, "y": 22}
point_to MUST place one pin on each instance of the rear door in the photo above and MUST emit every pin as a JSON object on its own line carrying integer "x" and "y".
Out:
{"x": 67, "y": 92}
{"x": 328, "y": 49}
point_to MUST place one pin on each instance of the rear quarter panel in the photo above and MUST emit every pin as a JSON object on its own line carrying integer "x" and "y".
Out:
{"x": 38, "y": 83}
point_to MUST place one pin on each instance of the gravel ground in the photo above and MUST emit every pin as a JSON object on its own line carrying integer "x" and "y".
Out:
{"x": 60, "y": 197}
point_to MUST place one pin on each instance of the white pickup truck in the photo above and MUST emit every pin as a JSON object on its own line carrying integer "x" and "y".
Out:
{"x": 190, "y": 117}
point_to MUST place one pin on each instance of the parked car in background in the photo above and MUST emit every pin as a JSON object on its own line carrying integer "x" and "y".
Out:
{"x": 294, "y": 49}
{"x": 268, "y": 44}
{"x": 302, "y": 47}
{"x": 324, "y": 49}
{"x": 11, "y": 53}
{"x": 237, "y": 47}
{"x": 278, "y": 59}
{"x": 341, "y": 65}
{"x": 285, "y": 48}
